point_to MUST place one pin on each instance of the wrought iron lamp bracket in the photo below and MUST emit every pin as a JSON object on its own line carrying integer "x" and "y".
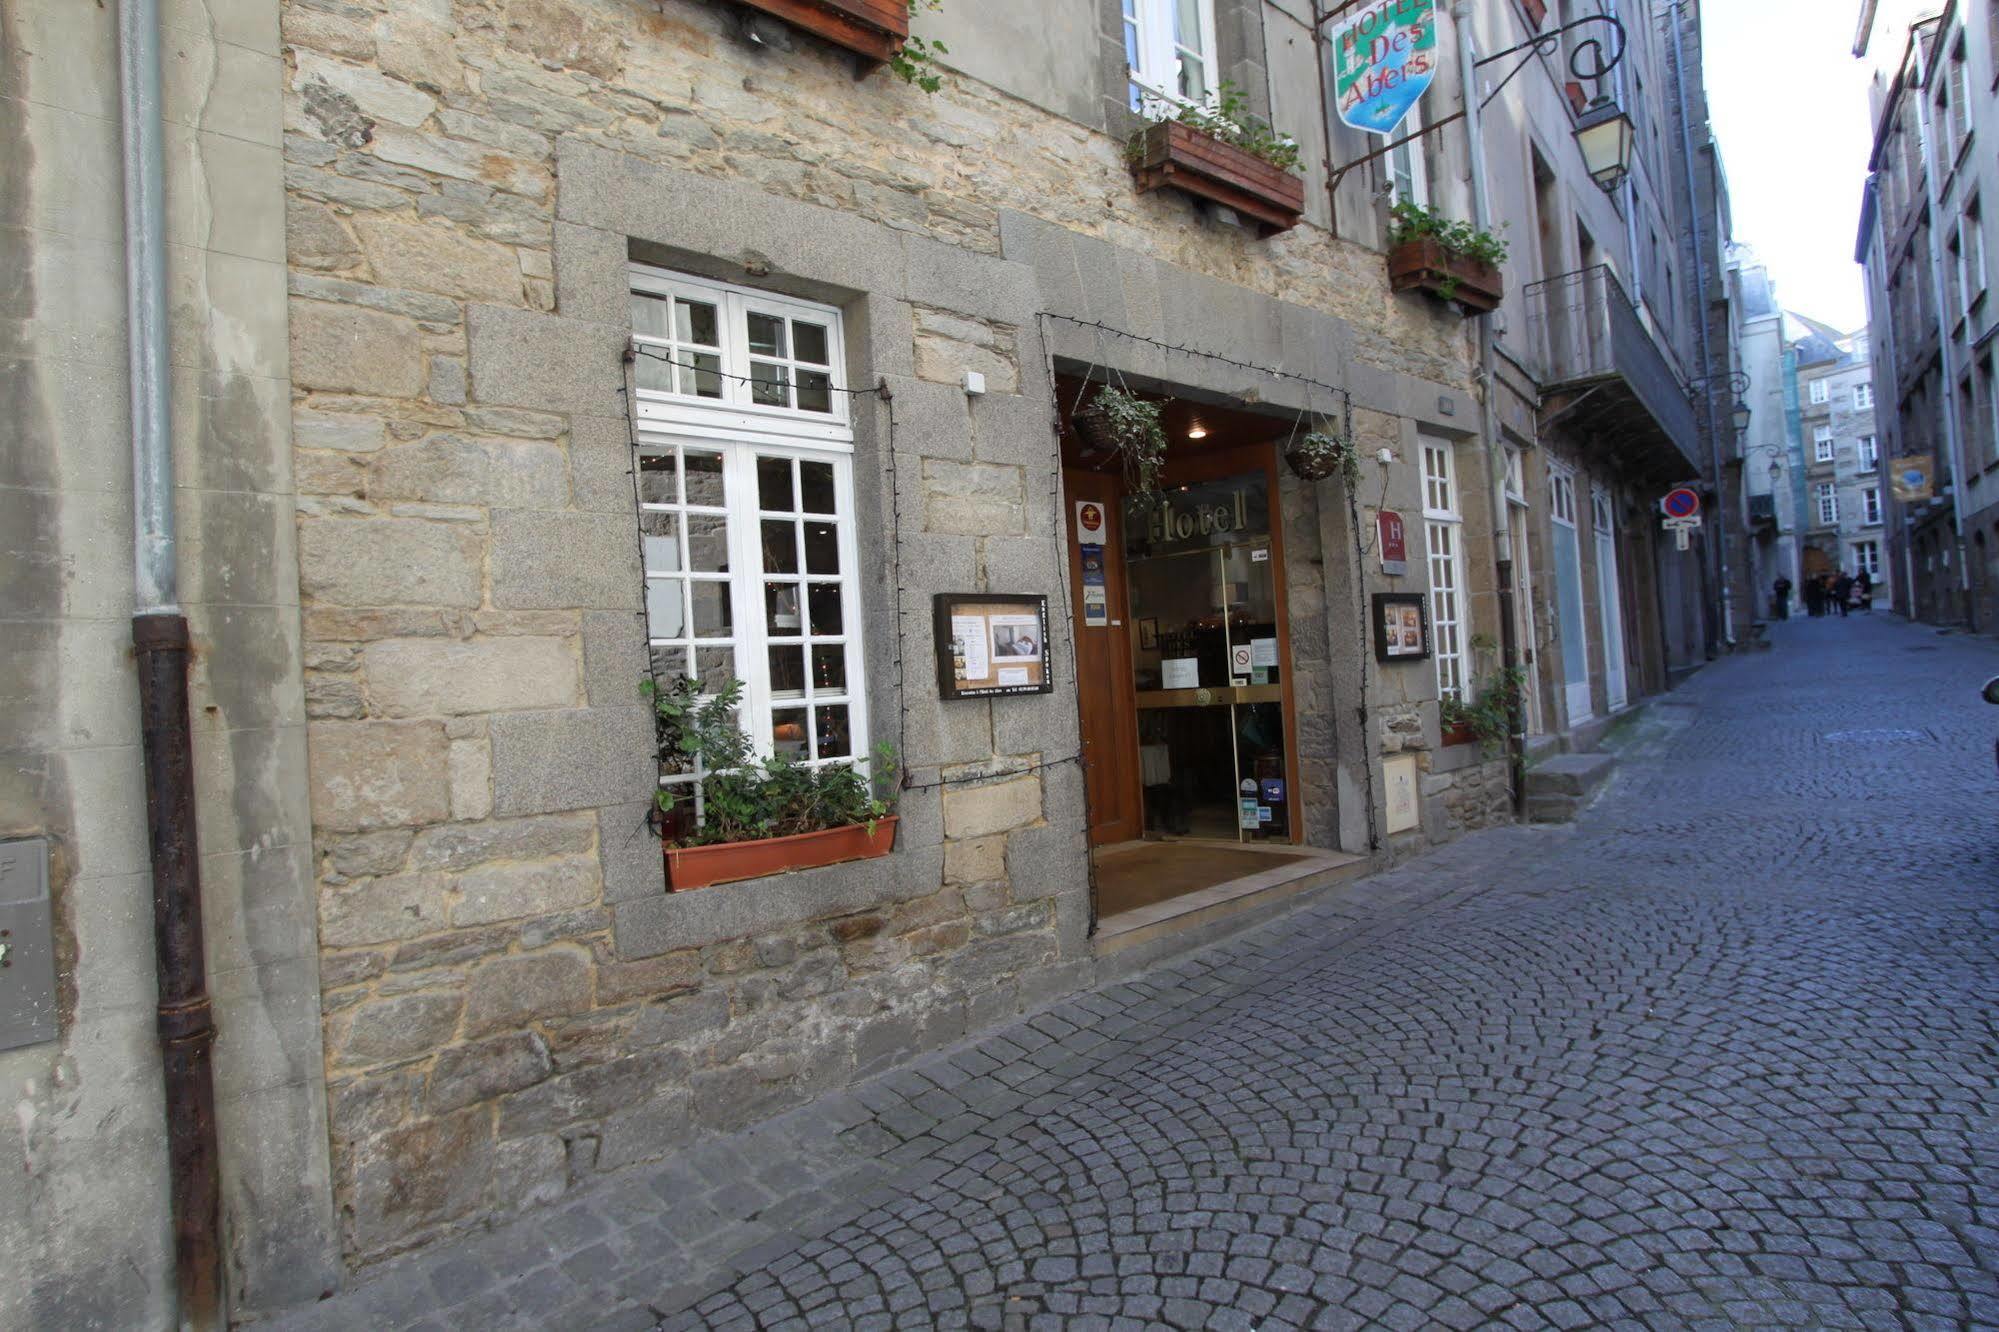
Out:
{"x": 1590, "y": 59}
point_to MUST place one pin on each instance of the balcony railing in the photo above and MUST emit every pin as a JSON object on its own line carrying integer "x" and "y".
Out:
{"x": 1596, "y": 354}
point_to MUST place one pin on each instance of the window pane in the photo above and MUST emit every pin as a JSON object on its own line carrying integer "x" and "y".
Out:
{"x": 649, "y": 316}
{"x": 822, "y": 548}
{"x": 1187, "y": 23}
{"x": 787, "y": 731}
{"x": 707, "y": 543}
{"x": 766, "y": 335}
{"x": 780, "y": 546}
{"x": 698, "y": 324}
{"x": 700, "y": 374}
{"x": 781, "y": 610}
{"x": 705, "y": 485}
{"x": 669, "y": 663}
{"x": 662, "y": 553}
{"x": 774, "y": 484}
{"x": 714, "y": 667}
{"x": 815, "y": 391}
{"x": 835, "y": 740}
{"x": 1193, "y": 79}
{"x": 656, "y": 483}
{"x": 815, "y": 484}
{"x": 829, "y": 669}
{"x": 823, "y": 607}
{"x": 652, "y": 370}
{"x": 768, "y": 385}
{"x": 809, "y": 342}
{"x": 711, "y": 610}
{"x": 665, "y": 617}
{"x": 787, "y": 671}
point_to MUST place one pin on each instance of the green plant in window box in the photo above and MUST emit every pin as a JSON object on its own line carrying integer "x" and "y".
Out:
{"x": 1319, "y": 454}
{"x": 915, "y": 64}
{"x": 1452, "y": 259}
{"x": 1119, "y": 421}
{"x": 1226, "y": 116}
{"x": 1495, "y": 697}
{"x": 825, "y": 814}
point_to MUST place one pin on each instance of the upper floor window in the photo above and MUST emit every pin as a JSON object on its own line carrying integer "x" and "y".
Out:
{"x": 1408, "y": 176}
{"x": 1971, "y": 253}
{"x": 1870, "y": 453}
{"x": 1822, "y": 444}
{"x": 1828, "y": 497}
{"x": 1870, "y": 506}
{"x": 1867, "y": 559}
{"x": 1821, "y": 392}
{"x": 1863, "y": 397}
{"x": 1169, "y": 47}
{"x": 1960, "y": 95}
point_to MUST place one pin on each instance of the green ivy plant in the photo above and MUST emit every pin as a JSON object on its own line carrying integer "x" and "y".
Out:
{"x": 1226, "y": 116}
{"x": 1408, "y": 221}
{"x": 745, "y": 798}
{"x": 1495, "y": 696}
{"x": 1319, "y": 448}
{"x": 915, "y": 64}
{"x": 1132, "y": 426}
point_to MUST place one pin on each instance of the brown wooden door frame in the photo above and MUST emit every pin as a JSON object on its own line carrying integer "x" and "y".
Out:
{"x": 1117, "y": 737}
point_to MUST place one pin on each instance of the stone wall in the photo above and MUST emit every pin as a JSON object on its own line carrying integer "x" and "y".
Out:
{"x": 511, "y": 999}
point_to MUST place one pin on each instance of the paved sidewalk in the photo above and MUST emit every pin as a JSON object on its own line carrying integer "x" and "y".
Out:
{"x": 1725, "y": 1053}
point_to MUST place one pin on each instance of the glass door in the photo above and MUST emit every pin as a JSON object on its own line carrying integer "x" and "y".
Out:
{"x": 1569, "y": 593}
{"x": 1206, "y": 662}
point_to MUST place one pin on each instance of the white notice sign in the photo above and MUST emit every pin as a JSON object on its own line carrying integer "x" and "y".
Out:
{"x": 1263, "y": 652}
{"x": 1180, "y": 673}
{"x": 969, "y": 632}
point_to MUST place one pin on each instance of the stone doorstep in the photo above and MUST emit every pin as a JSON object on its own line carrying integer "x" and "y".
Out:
{"x": 1179, "y": 915}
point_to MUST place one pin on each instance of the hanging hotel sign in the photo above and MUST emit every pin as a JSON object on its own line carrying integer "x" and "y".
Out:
{"x": 1393, "y": 536}
{"x": 1913, "y": 479}
{"x": 1384, "y": 57}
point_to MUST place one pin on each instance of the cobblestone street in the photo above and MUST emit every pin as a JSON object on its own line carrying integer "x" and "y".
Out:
{"x": 1724, "y": 1053}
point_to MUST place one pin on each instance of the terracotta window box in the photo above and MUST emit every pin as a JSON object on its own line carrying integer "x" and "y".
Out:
{"x": 1460, "y": 734}
{"x": 700, "y": 866}
{"x": 1473, "y": 285}
{"x": 1168, "y": 153}
{"x": 872, "y": 29}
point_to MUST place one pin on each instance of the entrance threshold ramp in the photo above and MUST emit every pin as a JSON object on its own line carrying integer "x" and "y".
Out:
{"x": 1292, "y": 870}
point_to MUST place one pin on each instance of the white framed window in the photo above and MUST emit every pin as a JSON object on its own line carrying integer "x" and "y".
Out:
{"x": 1971, "y": 243}
{"x": 1516, "y": 476}
{"x": 1408, "y": 177}
{"x": 1169, "y": 47}
{"x": 1821, "y": 392}
{"x": 1828, "y": 498}
{"x": 1870, "y": 453}
{"x": 1822, "y": 444}
{"x": 1863, "y": 397}
{"x": 1870, "y": 506}
{"x": 1443, "y": 535}
{"x": 746, "y": 512}
{"x": 1867, "y": 559}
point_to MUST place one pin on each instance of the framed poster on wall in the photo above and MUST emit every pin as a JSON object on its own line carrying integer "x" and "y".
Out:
{"x": 1401, "y": 626}
{"x": 991, "y": 644}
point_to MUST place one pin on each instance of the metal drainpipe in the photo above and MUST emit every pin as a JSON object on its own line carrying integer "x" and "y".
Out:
{"x": 160, "y": 639}
{"x": 1953, "y": 425}
{"x": 1495, "y": 451}
{"x": 1700, "y": 326}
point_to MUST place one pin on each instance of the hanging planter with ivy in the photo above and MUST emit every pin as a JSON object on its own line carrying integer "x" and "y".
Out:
{"x": 1223, "y": 154}
{"x": 1453, "y": 261}
{"x": 1115, "y": 420}
{"x": 1318, "y": 455}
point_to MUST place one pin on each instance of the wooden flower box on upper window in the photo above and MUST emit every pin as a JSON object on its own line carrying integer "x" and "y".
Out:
{"x": 1422, "y": 264}
{"x": 1169, "y": 153}
{"x": 872, "y": 29}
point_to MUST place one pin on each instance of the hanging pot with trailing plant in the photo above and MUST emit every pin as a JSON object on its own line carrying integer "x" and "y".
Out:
{"x": 1117, "y": 421}
{"x": 1318, "y": 455}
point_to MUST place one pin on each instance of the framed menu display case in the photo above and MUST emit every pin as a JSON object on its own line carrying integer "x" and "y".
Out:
{"x": 992, "y": 644}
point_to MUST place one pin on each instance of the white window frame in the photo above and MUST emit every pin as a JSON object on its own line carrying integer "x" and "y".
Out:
{"x": 1149, "y": 28}
{"x": 1406, "y": 162}
{"x": 1867, "y": 558}
{"x": 1863, "y": 397}
{"x": 1444, "y": 561}
{"x": 1828, "y": 498}
{"x": 1971, "y": 243}
{"x": 1822, "y": 444}
{"x": 1870, "y": 506}
{"x": 1870, "y": 453}
{"x": 744, "y": 433}
{"x": 1821, "y": 392}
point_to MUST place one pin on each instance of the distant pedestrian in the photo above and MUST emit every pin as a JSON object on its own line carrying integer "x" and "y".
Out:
{"x": 1782, "y": 587}
{"x": 1863, "y": 585}
{"x": 1814, "y": 596}
{"x": 1842, "y": 592}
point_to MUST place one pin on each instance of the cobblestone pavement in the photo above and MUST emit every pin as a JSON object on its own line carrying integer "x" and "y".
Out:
{"x": 1724, "y": 1053}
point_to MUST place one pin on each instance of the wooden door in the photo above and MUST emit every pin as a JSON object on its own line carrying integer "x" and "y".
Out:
{"x": 1103, "y": 672}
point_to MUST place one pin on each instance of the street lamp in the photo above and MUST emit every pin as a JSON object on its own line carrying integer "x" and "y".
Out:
{"x": 1741, "y": 417}
{"x": 1606, "y": 136}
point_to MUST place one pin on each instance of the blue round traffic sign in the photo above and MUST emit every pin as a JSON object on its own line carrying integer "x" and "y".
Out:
{"x": 1681, "y": 503}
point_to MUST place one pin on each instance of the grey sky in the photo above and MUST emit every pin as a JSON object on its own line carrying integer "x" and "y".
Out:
{"x": 1789, "y": 105}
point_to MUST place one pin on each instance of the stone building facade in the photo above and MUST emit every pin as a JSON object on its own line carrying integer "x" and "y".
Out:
{"x": 450, "y": 979}
{"x": 1846, "y": 485}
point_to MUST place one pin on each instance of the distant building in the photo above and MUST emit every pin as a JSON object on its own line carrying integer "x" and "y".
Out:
{"x": 1925, "y": 234}
{"x": 1844, "y": 502}
{"x": 1771, "y": 497}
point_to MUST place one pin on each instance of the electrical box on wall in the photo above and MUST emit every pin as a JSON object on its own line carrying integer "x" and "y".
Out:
{"x": 27, "y": 949}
